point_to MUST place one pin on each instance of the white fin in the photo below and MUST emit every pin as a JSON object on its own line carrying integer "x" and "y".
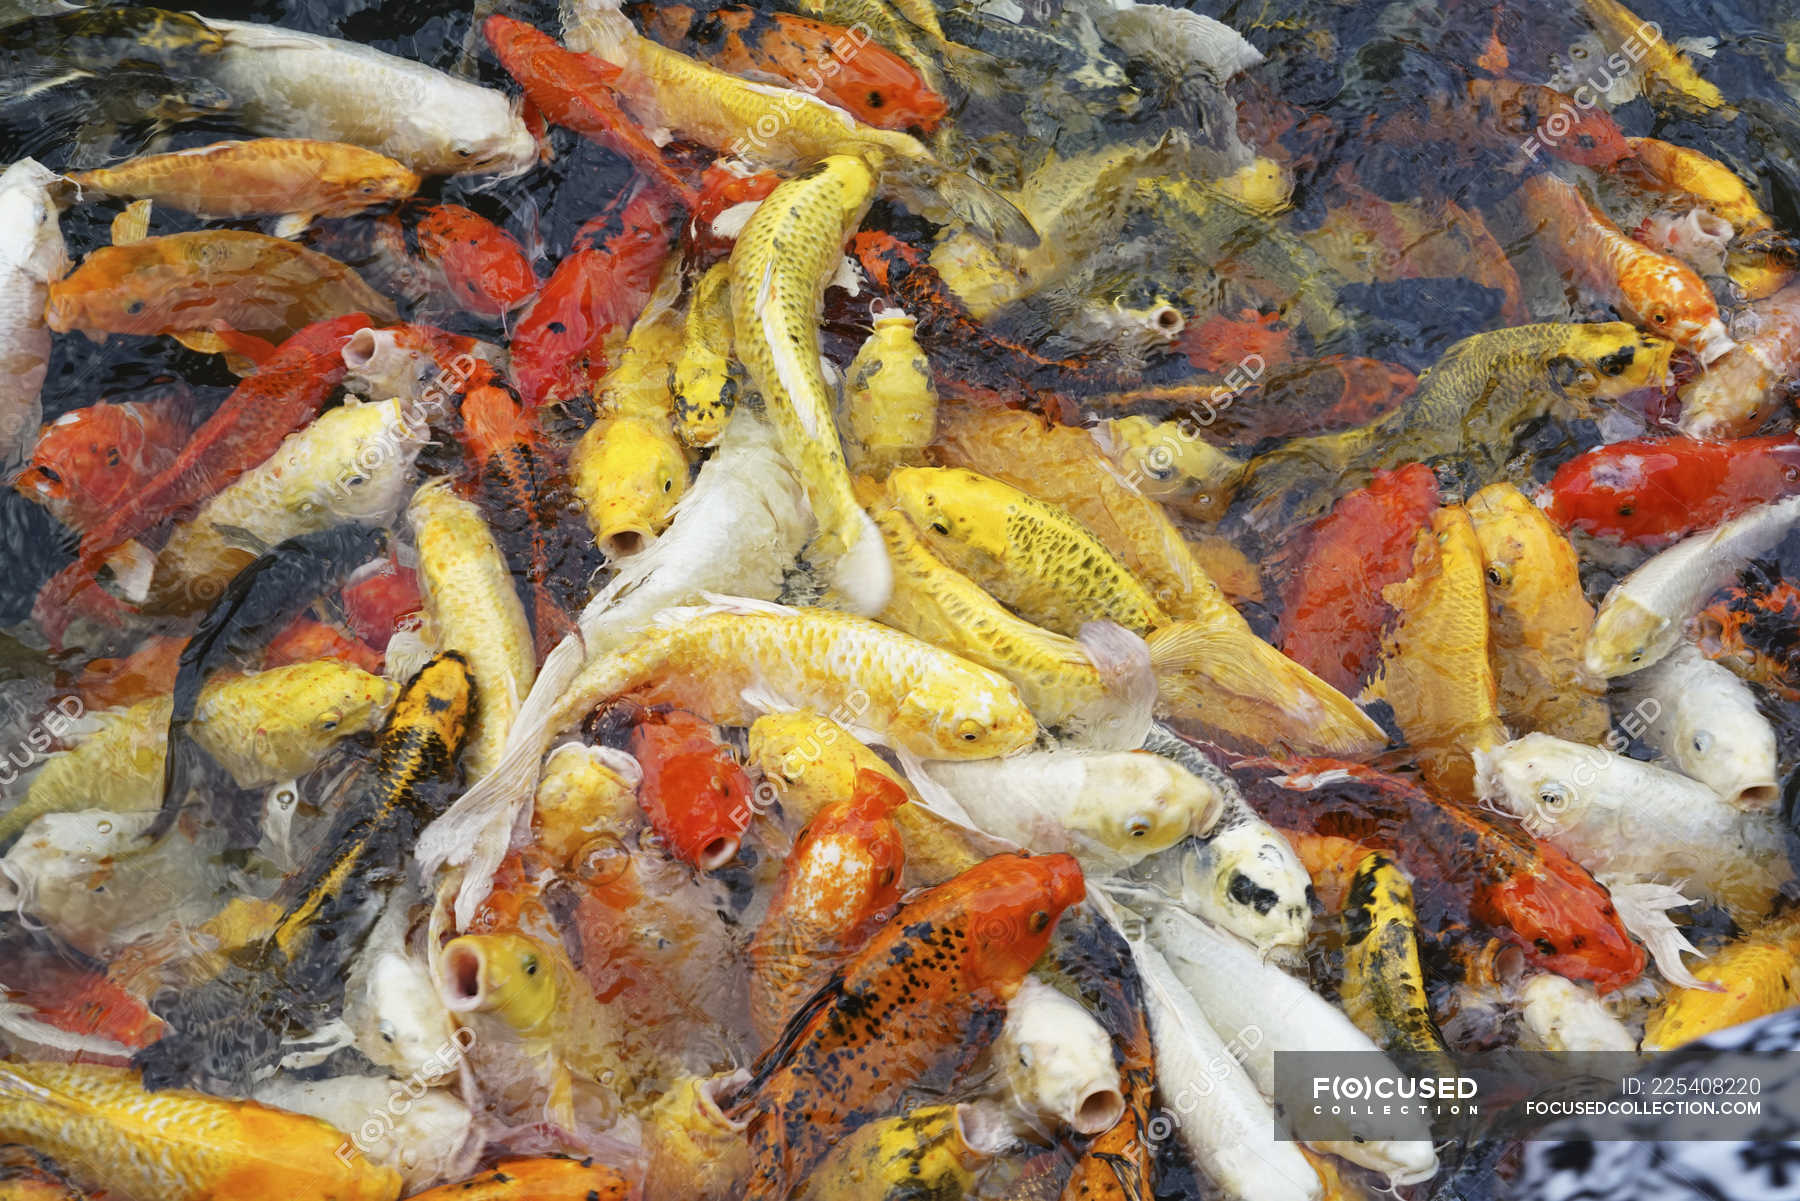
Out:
{"x": 408, "y": 650}
{"x": 292, "y": 225}
{"x": 932, "y": 795}
{"x": 864, "y": 576}
{"x": 20, "y": 1021}
{"x": 1643, "y": 910}
{"x": 1123, "y": 661}
{"x": 132, "y": 566}
{"x": 848, "y": 276}
{"x": 730, "y": 223}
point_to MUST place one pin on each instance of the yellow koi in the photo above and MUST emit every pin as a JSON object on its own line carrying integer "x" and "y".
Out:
{"x": 705, "y": 390}
{"x": 1757, "y": 975}
{"x": 1384, "y": 983}
{"x": 890, "y": 399}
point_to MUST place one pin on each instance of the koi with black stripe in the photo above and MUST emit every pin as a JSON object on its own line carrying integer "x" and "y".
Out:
{"x": 227, "y": 1029}
{"x": 1384, "y": 982}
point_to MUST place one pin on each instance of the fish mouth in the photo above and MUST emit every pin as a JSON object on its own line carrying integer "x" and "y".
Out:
{"x": 465, "y": 977}
{"x": 1756, "y": 797}
{"x": 1097, "y": 1111}
{"x": 627, "y": 541}
{"x": 709, "y": 1095}
{"x": 716, "y": 852}
{"x": 1712, "y": 342}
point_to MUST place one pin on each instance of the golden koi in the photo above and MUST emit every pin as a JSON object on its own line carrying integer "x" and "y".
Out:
{"x": 890, "y": 399}
{"x": 705, "y": 390}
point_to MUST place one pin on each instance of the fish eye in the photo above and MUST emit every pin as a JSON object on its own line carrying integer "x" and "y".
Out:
{"x": 668, "y": 483}
{"x": 1553, "y": 797}
{"x": 886, "y": 878}
{"x": 1659, "y": 318}
{"x": 938, "y": 527}
{"x": 465, "y": 152}
{"x": 529, "y": 965}
{"x": 1496, "y": 577}
{"x": 1040, "y": 919}
{"x": 968, "y": 729}
{"x": 1137, "y": 826}
{"x": 369, "y": 187}
{"x": 1627, "y": 510}
{"x": 1544, "y": 946}
{"x": 356, "y": 481}
{"x": 135, "y": 307}
{"x": 330, "y": 720}
{"x": 1702, "y": 741}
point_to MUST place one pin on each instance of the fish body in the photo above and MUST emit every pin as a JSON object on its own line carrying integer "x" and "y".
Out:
{"x": 1538, "y": 619}
{"x": 1705, "y": 723}
{"x": 1532, "y": 893}
{"x": 1097, "y": 694}
{"x": 921, "y": 999}
{"x": 350, "y": 465}
{"x": 694, "y": 792}
{"x": 1740, "y": 391}
{"x": 1109, "y": 809}
{"x": 779, "y": 268}
{"x": 293, "y": 84}
{"x": 1518, "y": 111}
{"x": 207, "y": 279}
{"x": 559, "y": 341}
{"x": 1384, "y": 983}
{"x": 576, "y": 92}
{"x": 705, "y": 390}
{"x": 693, "y": 1149}
{"x": 837, "y": 885}
{"x": 110, "y": 39}
{"x": 1334, "y": 609}
{"x": 1436, "y": 671}
{"x": 1686, "y": 173}
{"x": 182, "y": 1146}
{"x": 1562, "y": 1015}
{"x": 1642, "y": 617}
{"x": 220, "y": 1031}
{"x": 89, "y": 460}
{"x": 889, "y": 396}
{"x": 545, "y": 1178}
{"x": 1655, "y": 291}
{"x": 1169, "y": 463}
{"x": 1619, "y": 816}
{"x": 1468, "y": 407}
{"x": 931, "y": 1151}
{"x": 264, "y": 177}
{"x": 1746, "y": 629}
{"x": 1653, "y": 491}
{"x": 486, "y": 269}
{"x": 32, "y": 258}
{"x": 1758, "y": 974}
{"x": 471, "y": 607}
{"x": 1665, "y": 71}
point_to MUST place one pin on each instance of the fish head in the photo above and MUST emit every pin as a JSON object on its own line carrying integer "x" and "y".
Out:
{"x": 1609, "y": 359}
{"x": 1012, "y": 903}
{"x": 805, "y": 756}
{"x": 1140, "y": 803}
{"x": 439, "y": 699}
{"x": 510, "y": 975}
{"x": 705, "y": 395}
{"x": 485, "y": 138}
{"x": 337, "y": 699}
{"x": 1565, "y": 922}
{"x": 1248, "y": 880}
{"x": 1669, "y": 300}
{"x": 1549, "y": 784}
{"x": 363, "y": 180}
{"x": 1627, "y": 636}
{"x": 972, "y": 714}
{"x": 119, "y": 290}
{"x": 631, "y": 485}
{"x": 957, "y": 510}
{"x": 847, "y": 862}
{"x": 696, "y": 793}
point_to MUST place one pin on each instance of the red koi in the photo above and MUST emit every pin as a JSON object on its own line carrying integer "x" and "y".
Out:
{"x": 378, "y": 599}
{"x": 1529, "y": 892}
{"x": 573, "y": 90}
{"x": 695, "y": 794}
{"x": 837, "y": 885}
{"x": 81, "y": 1001}
{"x": 307, "y": 640}
{"x": 486, "y": 269}
{"x": 280, "y": 397}
{"x": 1220, "y": 343}
{"x": 1518, "y": 111}
{"x": 1333, "y": 614}
{"x": 1658, "y": 490}
{"x": 722, "y": 189}
{"x": 148, "y": 671}
{"x": 914, "y": 1008}
{"x": 88, "y": 461}
{"x": 602, "y": 285}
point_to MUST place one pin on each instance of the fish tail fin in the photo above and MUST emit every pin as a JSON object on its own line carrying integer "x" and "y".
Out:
{"x": 1123, "y": 662}
{"x": 950, "y": 197}
{"x": 864, "y": 576}
{"x": 1643, "y": 908}
{"x": 1236, "y": 683}
{"x": 181, "y": 762}
{"x": 599, "y": 28}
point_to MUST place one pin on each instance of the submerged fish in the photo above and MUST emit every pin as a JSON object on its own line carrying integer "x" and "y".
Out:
{"x": 1740, "y": 392}
{"x": 1754, "y": 976}
{"x": 704, "y": 385}
{"x": 1748, "y": 630}
{"x": 546, "y": 1178}
{"x": 486, "y": 269}
{"x": 32, "y": 258}
{"x": 889, "y": 399}
{"x": 90, "y": 460}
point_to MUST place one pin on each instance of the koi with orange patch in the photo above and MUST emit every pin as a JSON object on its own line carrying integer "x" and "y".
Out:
{"x": 1656, "y": 292}
{"x": 1330, "y": 861}
{"x": 78, "y": 999}
{"x": 696, "y": 795}
{"x": 1518, "y": 111}
{"x": 522, "y": 493}
{"x": 146, "y": 672}
{"x": 378, "y": 598}
{"x": 573, "y": 90}
{"x": 1532, "y": 894}
{"x": 602, "y": 285}
{"x": 1751, "y": 631}
{"x": 710, "y": 232}
{"x": 913, "y": 1010}
{"x": 1333, "y": 611}
{"x": 1655, "y": 491}
{"x": 1218, "y": 343}
{"x": 208, "y": 280}
{"x": 281, "y": 396}
{"x": 837, "y": 885}
{"x": 551, "y": 1178}
{"x": 89, "y": 460}
{"x": 295, "y": 178}
{"x": 486, "y": 269}
{"x": 306, "y": 640}
{"x": 860, "y": 76}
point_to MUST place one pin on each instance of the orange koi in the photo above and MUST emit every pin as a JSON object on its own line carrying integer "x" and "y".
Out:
{"x": 913, "y": 1009}
{"x": 695, "y": 794}
{"x": 837, "y": 886}
{"x": 89, "y": 460}
{"x": 722, "y": 189}
{"x": 551, "y": 1178}
{"x": 1751, "y": 631}
{"x": 486, "y": 269}
{"x": 307, "y": 640}
{"x": 1654, "y": 291}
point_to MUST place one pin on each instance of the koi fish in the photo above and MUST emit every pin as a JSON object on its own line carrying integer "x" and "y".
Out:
{"x": 890, "y": 399}
{"x": 282, "y": 395}
{"x": 1653, "y": 290}
{"x": 1531, "y": 893}
{"x": 693, "y": 1149}
{"x": 547, "y": 1178}
{"x": 1334, "y": 609}
{"x": 1519, "y": 110}
{"x": 837, "y": 886}
{"x": 576, "y": 91}
{"x": 1739, "y": 393}
{"x": 728, "y": 195}
{"x": 183, "y": 1146}
{"x": 34, "y": 258}
{"x": 1654, "y": 491}
{"x": 209, "y": 279}
{"x": 1754, "y": 976}
{"x": 1705, "y": 722}
{"x": 377, "y": 599}
{"x": 917, "y": 1003}
{"x": 89, "y": 460}
{"x": 486, "y": 269}
{"x": 1748, "y": 629}
{"x": 1384, "y": 983}
{"x": 695, "y": 793}
{"x": 934, "y": 1147}
{"x": 296, "y": 179}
